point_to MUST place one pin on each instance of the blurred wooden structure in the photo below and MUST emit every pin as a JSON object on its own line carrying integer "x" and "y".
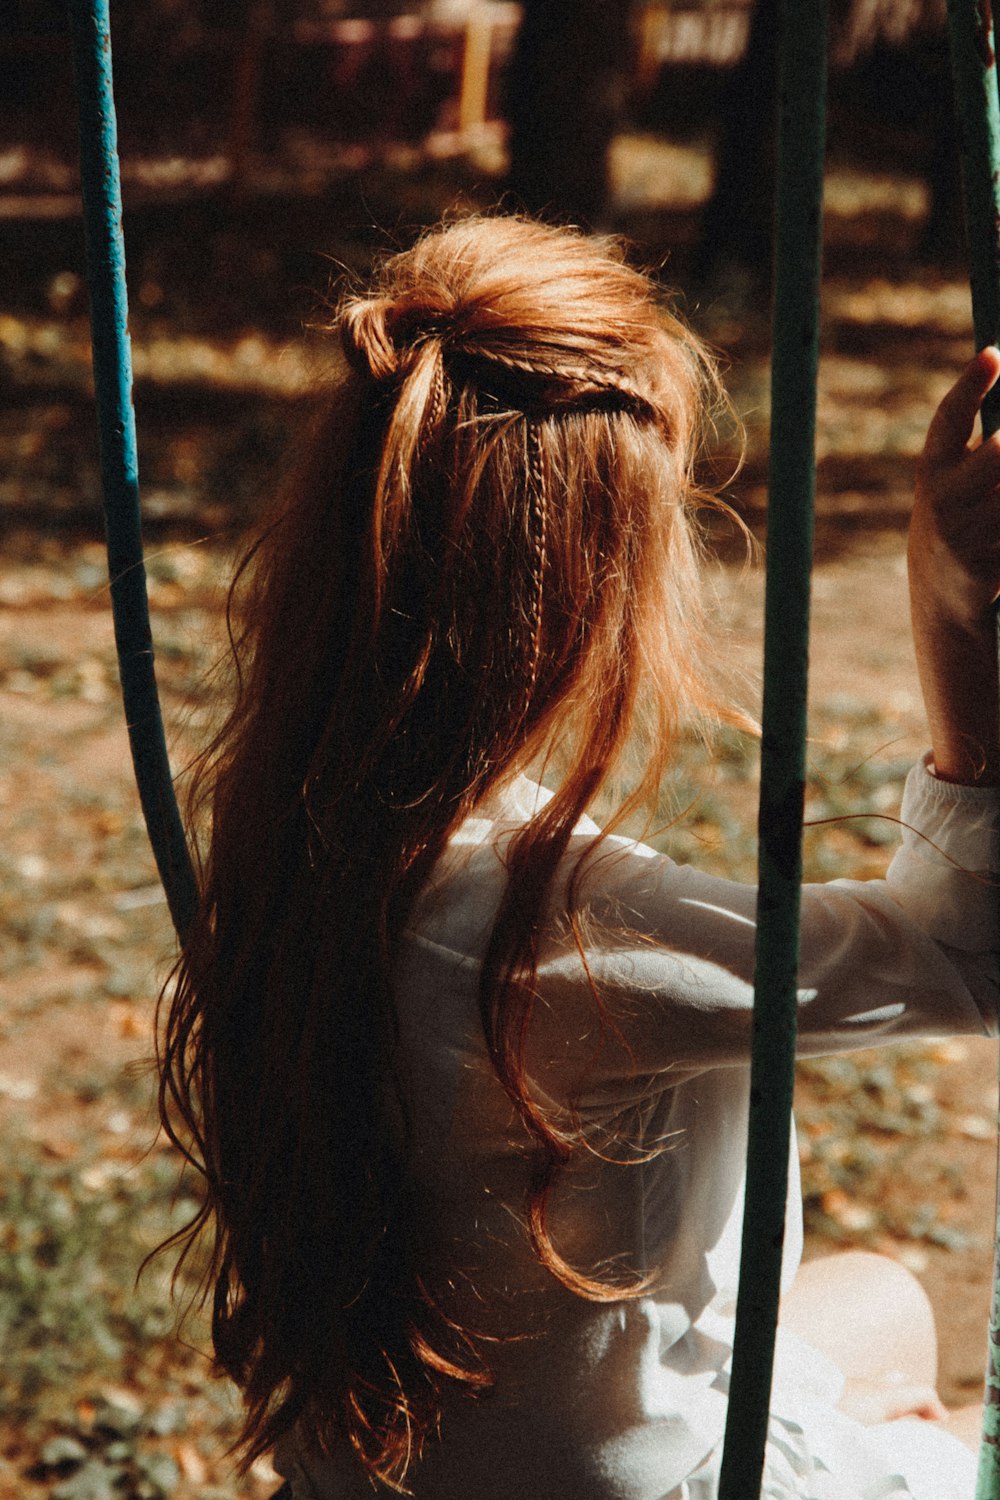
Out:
{"x": 242, "y": 81}
{"x": 367, "y": 79}
{"x": 215, "y": 94}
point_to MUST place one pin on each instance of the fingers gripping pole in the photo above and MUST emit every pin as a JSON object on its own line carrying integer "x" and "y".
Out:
{"x": 102, "y": 211}
{"x": 801, "y": 135}
{"x": 973, "y": 60}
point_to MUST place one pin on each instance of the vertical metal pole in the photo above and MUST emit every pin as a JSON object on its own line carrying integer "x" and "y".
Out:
{"x": 801, "y": 138}
{"x": 102, "y": 210}
{"x": 970, "y": 28}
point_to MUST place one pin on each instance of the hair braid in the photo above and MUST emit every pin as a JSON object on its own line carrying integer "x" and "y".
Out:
{"x": 560, "y": 382}
{"x": 538, "y": 512}
{"x": 435, "y": 406}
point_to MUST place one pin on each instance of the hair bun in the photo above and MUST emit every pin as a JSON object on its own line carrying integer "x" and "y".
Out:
{"x": 382, "y": 335}
{"x": 365, "y": 335}
{"x": 533, "y": 318}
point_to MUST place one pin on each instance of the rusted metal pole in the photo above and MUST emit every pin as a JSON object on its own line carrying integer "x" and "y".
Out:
{"x": 798, "y": 243}
{"x": 102, "y": 212}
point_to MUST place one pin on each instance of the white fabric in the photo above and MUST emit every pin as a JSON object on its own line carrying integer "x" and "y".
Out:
{"x": 626, "y": 1400}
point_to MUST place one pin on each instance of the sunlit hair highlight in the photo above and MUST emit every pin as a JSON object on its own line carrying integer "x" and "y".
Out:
{"x": 487, "y": 561}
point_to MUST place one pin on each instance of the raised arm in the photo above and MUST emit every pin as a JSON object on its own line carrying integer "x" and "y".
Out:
{"x": 954, "y": 564}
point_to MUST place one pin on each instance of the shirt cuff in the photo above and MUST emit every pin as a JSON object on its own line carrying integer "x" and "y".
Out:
{"x": 944, "y": 874}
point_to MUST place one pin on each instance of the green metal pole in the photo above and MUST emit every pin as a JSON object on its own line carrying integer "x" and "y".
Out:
{"x": 970, "y": 27}
{"x": 801, "y": 138}
{"x": 102, "y": 210}
{"x": 973, "y": 60}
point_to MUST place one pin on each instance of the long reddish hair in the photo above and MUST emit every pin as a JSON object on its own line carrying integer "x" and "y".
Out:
{"x": 488, "y": 557}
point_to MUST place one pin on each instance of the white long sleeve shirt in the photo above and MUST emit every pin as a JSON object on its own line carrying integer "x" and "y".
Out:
{"x": 625, "y": 1400}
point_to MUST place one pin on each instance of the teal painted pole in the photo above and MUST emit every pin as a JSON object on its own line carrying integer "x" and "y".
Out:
{"x": 970, "y": 27}
{"x": 801, "y": 139}
{"x": 102, "y": 213}
{"x": 973, "y": 61}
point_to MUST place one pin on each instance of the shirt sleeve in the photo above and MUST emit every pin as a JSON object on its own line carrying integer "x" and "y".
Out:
{"x": 659, "y": 977}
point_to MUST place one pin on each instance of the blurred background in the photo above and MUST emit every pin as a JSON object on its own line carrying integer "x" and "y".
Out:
{"x": 267, "y": 146}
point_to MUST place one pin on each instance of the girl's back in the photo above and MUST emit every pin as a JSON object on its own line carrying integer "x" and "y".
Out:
{"x": 626, "y": 1396}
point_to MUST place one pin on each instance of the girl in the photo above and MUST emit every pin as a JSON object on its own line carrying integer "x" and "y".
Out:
{"x": 467, "y": 1077}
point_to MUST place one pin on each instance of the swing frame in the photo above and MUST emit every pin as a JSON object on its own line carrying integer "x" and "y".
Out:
{"x": 798, "y": 236}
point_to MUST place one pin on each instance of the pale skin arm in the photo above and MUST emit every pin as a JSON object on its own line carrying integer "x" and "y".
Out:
{"x": 954, "y": 566}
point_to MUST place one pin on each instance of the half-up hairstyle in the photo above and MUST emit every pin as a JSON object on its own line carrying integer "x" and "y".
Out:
{"x": 487, "y": 559}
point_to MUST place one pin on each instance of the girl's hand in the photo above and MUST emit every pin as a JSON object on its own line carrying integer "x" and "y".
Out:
{"x": 955, "y": 529}
{"x": 954, "y": 564}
